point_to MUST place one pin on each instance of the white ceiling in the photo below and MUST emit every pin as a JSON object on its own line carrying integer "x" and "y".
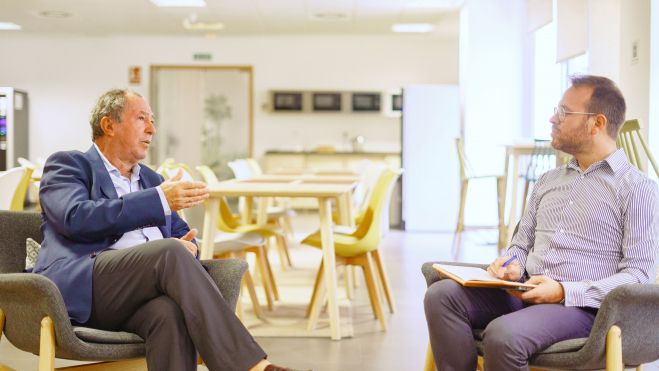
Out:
{"x": 240, "y": 17}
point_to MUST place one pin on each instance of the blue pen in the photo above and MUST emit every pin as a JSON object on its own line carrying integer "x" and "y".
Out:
{"x": 509, "y": 261}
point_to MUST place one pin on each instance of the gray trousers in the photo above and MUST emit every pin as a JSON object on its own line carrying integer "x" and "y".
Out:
{"x": 513, "y": 331}
{"x": 159, "y": 291}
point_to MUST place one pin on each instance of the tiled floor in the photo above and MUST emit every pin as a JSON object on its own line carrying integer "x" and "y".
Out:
{"x": 402, "y": 347}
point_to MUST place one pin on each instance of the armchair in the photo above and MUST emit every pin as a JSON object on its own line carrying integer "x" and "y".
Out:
{"x": 630, "y": 310}
{"x": 34, "y": 319}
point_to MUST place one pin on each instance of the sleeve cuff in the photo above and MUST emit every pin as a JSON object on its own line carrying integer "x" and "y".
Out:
{"x": 163, "y": 201}
{"x": 575, "y": 294}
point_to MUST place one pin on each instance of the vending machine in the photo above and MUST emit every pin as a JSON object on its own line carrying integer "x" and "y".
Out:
{"x": 14, "y": 127}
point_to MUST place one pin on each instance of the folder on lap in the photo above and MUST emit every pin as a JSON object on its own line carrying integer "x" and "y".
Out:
{"x": 478, "y": 277}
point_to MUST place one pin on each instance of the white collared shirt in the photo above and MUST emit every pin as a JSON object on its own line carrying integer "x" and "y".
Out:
{"x": 124, "y": 186}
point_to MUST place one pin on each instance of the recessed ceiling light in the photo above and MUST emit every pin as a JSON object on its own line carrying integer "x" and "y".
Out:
{"x": 55, "y": 14}
{"x": 202, "y": 26}
{"x": 330, "y": 16}
{"x": 412, "y": 27}
{"x": 180, "y": 3}
{"x": 8, "y": 26}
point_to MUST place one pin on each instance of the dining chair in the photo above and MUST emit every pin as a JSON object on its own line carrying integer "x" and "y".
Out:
{"x": 14, "y": 184}
{"x": 466, "y": 175}
{"x": 34, "y": 319}
{"x": 361, "y": 249}
{"x": 629, "y": 139}
{"x": 229, "y": 223}
{"x": 542, "y": 159}
{"x": 226, "y": 245}
{"x": 624, "y": 332}
{"x": 276, "y": 214}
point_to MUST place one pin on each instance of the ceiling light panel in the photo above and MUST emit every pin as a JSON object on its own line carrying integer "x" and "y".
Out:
{"x": 180, "y": 3}
{"x": 9, "y": 26}
{"x": 412, "y": 27}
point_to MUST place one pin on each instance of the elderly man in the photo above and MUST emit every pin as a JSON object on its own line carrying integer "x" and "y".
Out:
{"x": 121, "y": 256}
{"x": 590, "y": 226}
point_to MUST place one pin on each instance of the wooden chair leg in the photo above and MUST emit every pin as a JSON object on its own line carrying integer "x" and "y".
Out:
{"x": 614, "y": 350}
{"x": 314, "y": 293}
{"x": 480, "y": 364}
{"x": 47, "y": 345}
{"x": 261, "y": 258}
{"x": 248, "y": 282}
{"x": 461, "y": 211}
{"x": 271, "y": 277}
{"x": 501, "y": 191}
{"x": 317, "y": 303}
{"x": 369, "y": 275}
{"x": 2, "y": 322}
{"x": 284, "y": 254}
{"x": 429, "y": 364}
{"x": 384, "y": 280}
{"x": 527, "y": 186}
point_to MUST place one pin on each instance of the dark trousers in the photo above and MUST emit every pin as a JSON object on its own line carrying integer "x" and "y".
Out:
{"x": 159, "y": 291}
{"x": 513, "y": 331}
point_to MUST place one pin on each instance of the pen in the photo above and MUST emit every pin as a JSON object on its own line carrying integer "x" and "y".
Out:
{"x": 508, "y": 261}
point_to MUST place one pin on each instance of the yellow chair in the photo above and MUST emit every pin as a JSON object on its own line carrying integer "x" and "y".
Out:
{"x": 228, "y": 222}
{"x": 361, "y": 248}
{"x": 465, "y": 176}
{"x": 14, "y": 183}
{"x": 629, "y": 134}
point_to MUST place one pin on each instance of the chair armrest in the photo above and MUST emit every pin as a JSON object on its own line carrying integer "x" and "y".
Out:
{"x": 26, "y": 298}
{"x": 633, "y": 308}
{"x": 227, "y": 274}
{"x": 433, "y": 276}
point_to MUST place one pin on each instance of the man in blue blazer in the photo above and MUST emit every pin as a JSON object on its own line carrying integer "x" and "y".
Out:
{"x": 123, "y": 259}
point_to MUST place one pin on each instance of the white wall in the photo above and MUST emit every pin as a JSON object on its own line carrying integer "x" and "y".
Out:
{"x": 492, "y": 39}
{"x": 614, "y": 26}
{"x": 65, "y": 74}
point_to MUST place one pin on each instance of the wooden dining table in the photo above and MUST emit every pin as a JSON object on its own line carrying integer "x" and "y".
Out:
{"x": 322, "y": 188}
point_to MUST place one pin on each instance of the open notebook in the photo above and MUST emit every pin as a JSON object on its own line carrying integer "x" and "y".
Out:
{"x": 478, "y": 277}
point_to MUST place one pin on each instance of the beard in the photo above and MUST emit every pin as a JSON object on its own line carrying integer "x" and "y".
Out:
{"x": 572, "y": 141}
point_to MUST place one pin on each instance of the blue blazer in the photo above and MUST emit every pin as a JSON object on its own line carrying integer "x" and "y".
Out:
{"x": 82, "y": 216}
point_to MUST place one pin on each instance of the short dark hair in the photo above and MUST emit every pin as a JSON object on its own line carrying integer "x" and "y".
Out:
{"x": 111, "y": 104}
{"x": 605, "y": 99}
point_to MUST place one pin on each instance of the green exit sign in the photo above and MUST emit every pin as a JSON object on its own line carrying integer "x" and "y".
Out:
{"x": 202, "y": 56}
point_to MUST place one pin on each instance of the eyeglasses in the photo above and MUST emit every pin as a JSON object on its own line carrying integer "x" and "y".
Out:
{"x": 560, "y": 112}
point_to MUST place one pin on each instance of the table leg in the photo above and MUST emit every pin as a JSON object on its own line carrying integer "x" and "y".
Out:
{"x": 247, "y": 211}
{"x": 325, "y": 209}
{"x": 210, "y": 225}
{"x": 512, "y": 221}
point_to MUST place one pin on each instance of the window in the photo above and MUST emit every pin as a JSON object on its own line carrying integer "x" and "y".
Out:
{"x": 548, "y": 79}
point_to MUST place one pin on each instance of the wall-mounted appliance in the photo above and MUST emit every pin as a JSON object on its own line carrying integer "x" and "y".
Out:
{"x": 14, "y": 128}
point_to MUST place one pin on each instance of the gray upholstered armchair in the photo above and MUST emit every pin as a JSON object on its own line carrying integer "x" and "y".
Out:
{"x": 630, "y": 310}
{"x": 32, "y": 312}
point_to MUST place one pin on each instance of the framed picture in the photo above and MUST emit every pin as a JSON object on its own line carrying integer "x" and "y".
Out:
{"x": 327, "y": 101}
{"x": 397, "y": 102}
{"x": 366, "y": 102}
{"x": 286, "y": 101}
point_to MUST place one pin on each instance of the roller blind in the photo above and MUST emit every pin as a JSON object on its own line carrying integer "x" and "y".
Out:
{"x": 571, "y": 28}
{"x": 538, "y": 13}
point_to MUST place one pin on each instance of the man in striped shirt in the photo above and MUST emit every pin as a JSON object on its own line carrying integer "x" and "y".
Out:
{"x": 590, "y": 226}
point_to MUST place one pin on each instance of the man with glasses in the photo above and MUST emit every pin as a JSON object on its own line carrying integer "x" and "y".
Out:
{"x": 590, "y": 226}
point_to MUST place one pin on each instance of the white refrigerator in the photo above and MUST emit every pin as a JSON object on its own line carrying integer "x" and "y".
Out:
{"x": 14, "y": 130}
{"x": 431, "y": 181}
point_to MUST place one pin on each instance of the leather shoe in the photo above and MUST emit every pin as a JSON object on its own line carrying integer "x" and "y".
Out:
{"x": 272, "y": 367}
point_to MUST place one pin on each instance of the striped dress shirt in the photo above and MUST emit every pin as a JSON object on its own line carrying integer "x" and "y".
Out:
{"x": 591, "y": 230}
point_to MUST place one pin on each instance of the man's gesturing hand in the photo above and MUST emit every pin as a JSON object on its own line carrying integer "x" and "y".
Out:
{"x": 183, "y": 194}
{"x": 187, "y": 241}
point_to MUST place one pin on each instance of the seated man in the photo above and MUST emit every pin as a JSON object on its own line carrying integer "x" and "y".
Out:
{"x": 121, "y": 256}
{"x": 590, "y": 226}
